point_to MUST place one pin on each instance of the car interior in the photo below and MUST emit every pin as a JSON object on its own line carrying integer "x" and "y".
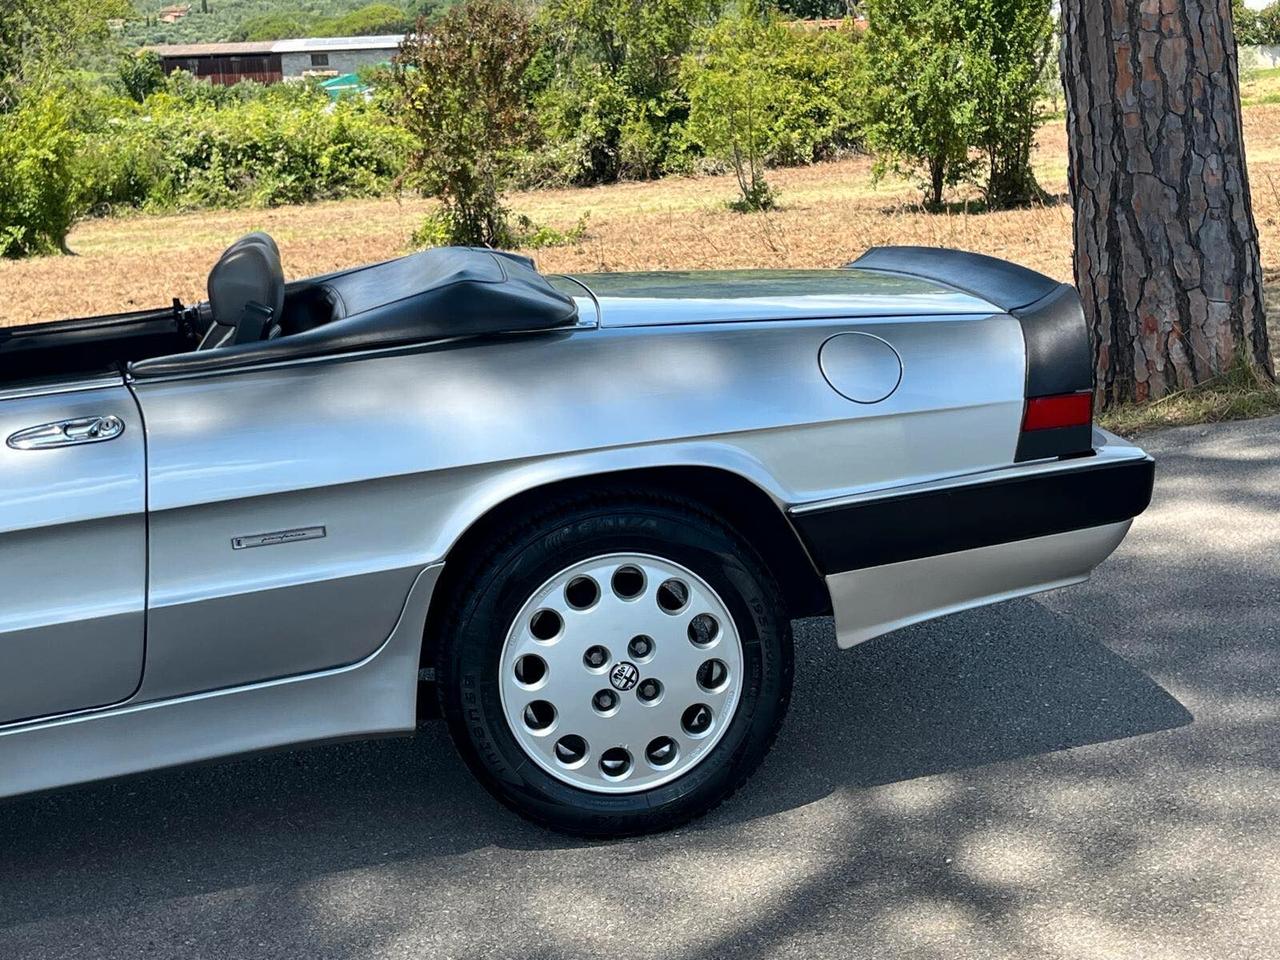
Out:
{"x": 253, "y": 316}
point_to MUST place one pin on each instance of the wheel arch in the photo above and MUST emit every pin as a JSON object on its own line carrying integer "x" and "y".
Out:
{"x": 742, "y": 503}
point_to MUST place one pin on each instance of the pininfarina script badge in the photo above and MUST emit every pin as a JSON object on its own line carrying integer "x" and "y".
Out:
{"x": 278, "y": 537}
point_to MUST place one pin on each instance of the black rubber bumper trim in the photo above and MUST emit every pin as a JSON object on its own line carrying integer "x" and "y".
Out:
{"x": 912, "y": 526}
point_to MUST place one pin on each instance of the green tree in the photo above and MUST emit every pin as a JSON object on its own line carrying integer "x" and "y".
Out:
{"x": 39, "y": 143}
{"x": 1268, "y": 25}
{"x": 1248, "y": 28}
{"x": 763, "y": 94}
{"x": 918, "y": 110}
{"x": 609, "y": 76}
{"x": 141, "y": 74}
{"x": 1007, "y": 47}
{"x": 460, "y": 90}
{"x": 40, "y": 37}
{"x": 38, "y": 198}
{"x": 735, "y": 96}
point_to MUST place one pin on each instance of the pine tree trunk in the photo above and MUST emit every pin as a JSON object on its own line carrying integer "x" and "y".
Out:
{"x": 1166, "y": 245}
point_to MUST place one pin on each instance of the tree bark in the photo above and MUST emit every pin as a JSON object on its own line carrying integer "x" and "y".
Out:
{"x": 1166, "y": 245}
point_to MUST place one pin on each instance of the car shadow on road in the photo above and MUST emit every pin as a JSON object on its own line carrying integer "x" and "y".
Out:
{"x": 979, "y": 688}
{"x": 982, "y": 687}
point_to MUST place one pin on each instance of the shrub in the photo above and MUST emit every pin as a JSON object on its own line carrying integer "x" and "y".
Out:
{"x": 763, "y": 94}
{"x": 918, "y": 109}
{"x": 38, "y": 196}
{"x": 461, "y": 94}
{"x": 141, "y": 74}
{"x": 607, "y": 85}
{"x": 945, "y": 76}
{"x": 1008, "y": 47}
{"x": 736, "y": 97}
{"x": 196, "y": 145}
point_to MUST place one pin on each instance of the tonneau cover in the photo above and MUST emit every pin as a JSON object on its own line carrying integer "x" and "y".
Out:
{"x": 441, "y": 293}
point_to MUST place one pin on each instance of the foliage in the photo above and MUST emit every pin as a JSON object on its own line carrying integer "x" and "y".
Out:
{"x": 38, "y": 38}
{"x": 918, "y": 107}
{"x": 193, "y": 145}
{"x": 737, "y": 97}
{"x": 1256, "y": 27}
{"x": 141, "y": 74}
{"x": 461, "y": 94}
{"x": 271, "y": 26}
{"x": 436, "y": 231}
{"x": 38, "y": 151}
{"x": 607, "y": 75}
{"x": 375, "y": 19}
{"x": 943, "y": 77}
{"x": 40, "y": 144}
{"x": 762, "y": 94}
{"x": 1007, "y": 51}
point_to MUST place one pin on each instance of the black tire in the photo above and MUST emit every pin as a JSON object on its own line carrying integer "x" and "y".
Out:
{"x": 496, "y": 581}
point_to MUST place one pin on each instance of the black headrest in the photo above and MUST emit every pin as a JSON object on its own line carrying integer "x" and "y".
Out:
{"x": 248, "y": 272}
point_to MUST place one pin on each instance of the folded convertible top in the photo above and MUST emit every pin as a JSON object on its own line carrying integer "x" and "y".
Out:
{"x": 438, "y": 294}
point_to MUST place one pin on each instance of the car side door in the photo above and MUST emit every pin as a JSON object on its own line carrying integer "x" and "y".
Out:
{"x": 72, "y": 548}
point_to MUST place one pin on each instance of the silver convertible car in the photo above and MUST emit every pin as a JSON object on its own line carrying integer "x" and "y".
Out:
{"x": 579, "y": 511}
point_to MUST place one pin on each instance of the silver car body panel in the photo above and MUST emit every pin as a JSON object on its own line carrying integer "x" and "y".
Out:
{"x": 397, "y": 455}
{"x": 72, "y": 557}
{"x": 871, "y": 603}
{"x": 377, "y": 696}
{"x": 394, "y": 454}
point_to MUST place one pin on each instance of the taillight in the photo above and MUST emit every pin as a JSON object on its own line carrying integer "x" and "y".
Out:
{"x": 1059, "y": 425}
{"x": 1064, "y": 410}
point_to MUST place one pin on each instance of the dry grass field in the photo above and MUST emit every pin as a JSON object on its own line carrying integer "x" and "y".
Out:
{"x": 830, "y": 213}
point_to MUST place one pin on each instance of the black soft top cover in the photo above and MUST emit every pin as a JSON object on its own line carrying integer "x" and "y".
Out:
{"x": 438, "y": 294}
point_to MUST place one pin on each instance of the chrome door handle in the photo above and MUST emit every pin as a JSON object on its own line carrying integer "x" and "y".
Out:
{"x": 67, "y": 433}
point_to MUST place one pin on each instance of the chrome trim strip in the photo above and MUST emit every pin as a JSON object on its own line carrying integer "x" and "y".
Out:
{"x": 595, "y": 302}
{"x": 47, "y": 388}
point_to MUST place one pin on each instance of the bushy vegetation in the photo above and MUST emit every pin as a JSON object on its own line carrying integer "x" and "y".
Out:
{"x": 762, "y": 94}
{"x": 191, "y": 144}
{"x": 954, "y": 87}
{"x": 1256, "y": 27}
{"x": 460, "y": 93}
{"x": 607, "y": 87}
{"x": 38, "y": 151}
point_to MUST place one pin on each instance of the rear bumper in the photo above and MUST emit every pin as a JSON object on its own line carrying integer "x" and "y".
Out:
{"x": 895, "y": 558}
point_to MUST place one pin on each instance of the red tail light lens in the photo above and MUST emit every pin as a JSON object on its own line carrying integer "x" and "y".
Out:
{"x": 1065, "y": 410}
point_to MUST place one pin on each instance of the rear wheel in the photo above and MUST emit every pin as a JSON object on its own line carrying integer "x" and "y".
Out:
{"x": 616, "y": 666}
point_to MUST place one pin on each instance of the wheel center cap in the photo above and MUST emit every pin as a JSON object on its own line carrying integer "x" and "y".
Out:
{"x": 624, "y": 676}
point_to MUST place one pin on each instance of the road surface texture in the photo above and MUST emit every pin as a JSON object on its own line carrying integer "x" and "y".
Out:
{"x": 1090, "y": 774}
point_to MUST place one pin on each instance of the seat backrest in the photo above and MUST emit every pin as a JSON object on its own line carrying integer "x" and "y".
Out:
{"x": 246, "y": 292}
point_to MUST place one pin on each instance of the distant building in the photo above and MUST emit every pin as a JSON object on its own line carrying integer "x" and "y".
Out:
{"x": 277, "y": 60}
{"x": 174, "y": 13}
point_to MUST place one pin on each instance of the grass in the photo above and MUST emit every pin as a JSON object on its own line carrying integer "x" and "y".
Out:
{"x": 1240, "y": 394}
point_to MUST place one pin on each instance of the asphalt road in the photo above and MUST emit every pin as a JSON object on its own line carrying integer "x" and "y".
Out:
{"x": 1094, "y": 773}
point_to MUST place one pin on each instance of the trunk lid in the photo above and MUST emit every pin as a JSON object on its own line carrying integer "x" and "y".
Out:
{"x": 728, "y": 296}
